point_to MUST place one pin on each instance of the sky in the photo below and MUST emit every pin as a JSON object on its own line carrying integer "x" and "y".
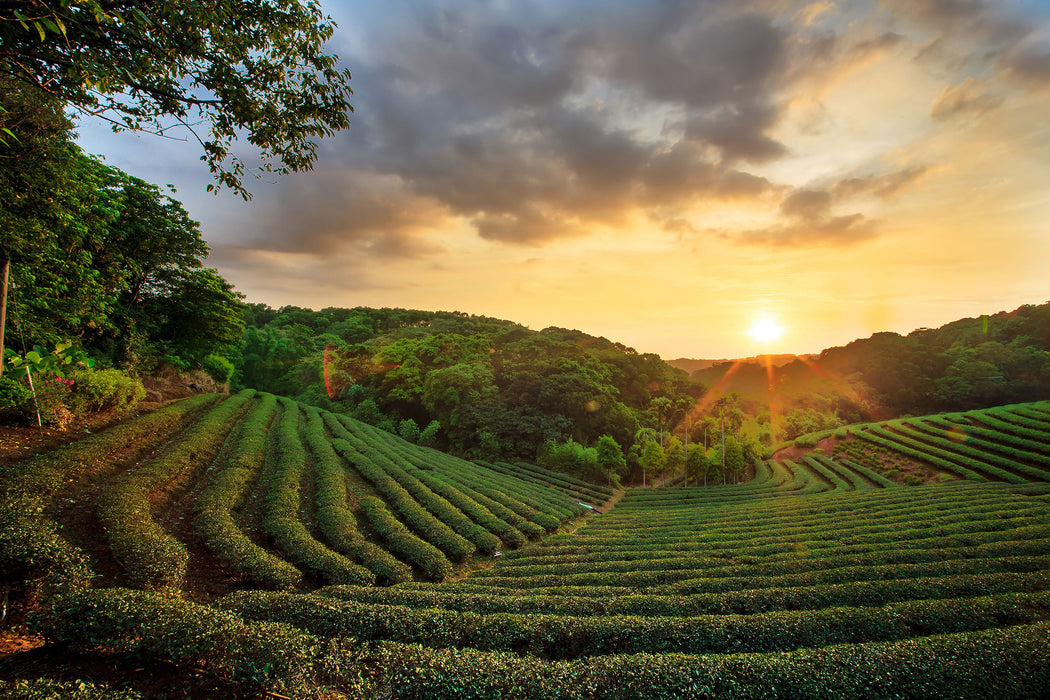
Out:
{"x": 658, "y": 172}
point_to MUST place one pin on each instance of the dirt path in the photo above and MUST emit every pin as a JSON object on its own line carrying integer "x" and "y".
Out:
{"x": 611, "y": 503}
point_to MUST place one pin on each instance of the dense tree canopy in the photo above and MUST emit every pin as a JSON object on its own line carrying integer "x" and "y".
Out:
{"x": 245, "y": 68}
{"x": 494, "y": 387}
{"x": 98, "y": 256}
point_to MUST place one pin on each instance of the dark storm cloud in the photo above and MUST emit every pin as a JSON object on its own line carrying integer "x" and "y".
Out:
{"x": 535, "y": 122}
{"x": 535, "y": 128}
{"x": 345, "y": 211}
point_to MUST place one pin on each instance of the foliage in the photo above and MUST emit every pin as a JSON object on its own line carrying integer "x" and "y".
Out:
{"x": 253, "y": 70}
{"x": 96, "y": 390}
{"x": 122, "y": 274}
{"x": 15, "y": 398}
{"x": 218, "y": 368}
{"x": 497, "y": 390}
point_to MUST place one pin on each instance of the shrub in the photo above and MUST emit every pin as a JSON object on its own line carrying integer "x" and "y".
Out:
{"x": 218, "y": 368}
{"x": 95, "y": 390}
{"x": 152, "y": 627}
{"x": 15, "y": 399}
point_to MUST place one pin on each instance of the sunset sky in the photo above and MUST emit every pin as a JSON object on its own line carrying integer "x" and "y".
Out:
{"x": 660, "y": 173}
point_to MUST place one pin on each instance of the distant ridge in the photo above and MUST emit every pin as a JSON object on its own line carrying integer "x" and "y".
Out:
{"x": 691, "y": 365}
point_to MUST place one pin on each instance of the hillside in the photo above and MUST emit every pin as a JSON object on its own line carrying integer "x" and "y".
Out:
{"x": 968, "y": 363}
{"x": 250, "y": 544}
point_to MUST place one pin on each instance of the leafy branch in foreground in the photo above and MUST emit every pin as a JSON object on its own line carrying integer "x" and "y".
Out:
{"x": 253, "y": 68}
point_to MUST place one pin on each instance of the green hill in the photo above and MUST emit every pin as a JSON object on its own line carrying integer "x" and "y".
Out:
{"x": 249, "y": 544}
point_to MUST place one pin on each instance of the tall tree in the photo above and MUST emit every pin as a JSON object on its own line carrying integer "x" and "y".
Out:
{"x": 35, "y": 136}
{"x": 251, "y": 68}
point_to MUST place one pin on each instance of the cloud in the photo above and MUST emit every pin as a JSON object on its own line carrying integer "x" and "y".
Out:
{"x": 884, "y": 186}
{"x": 540, "y": 122}
{"x": 826, "y": 231}
{"x": 968, "y": 97}
{"x": 808, "y": 221}
{"x": 342, "y": 211}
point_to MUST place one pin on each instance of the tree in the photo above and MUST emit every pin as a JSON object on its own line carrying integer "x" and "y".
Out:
{"x": 697, "y": 463}
{"x": 242, "y": 67}
{"x": 674, "y": 457}
{"x": 611, "y": 461}
{"x": 652, "y": 460}
{"x": 36, "y": 138}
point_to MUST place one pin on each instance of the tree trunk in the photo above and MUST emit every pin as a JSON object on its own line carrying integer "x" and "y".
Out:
{"x": 5, "y": 266}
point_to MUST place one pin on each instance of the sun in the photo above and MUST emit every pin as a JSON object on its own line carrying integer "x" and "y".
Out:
{"x": 765, "y": 329}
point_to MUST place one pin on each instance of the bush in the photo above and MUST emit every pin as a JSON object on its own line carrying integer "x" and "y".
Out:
{"x": 95, "y": 390}
{"x": 154, "y": 627}
{"x": 15, "y": 399}
{"x": 218, "y": 368}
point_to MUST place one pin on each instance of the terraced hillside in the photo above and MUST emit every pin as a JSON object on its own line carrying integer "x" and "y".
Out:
{"x": 821, "y": 577}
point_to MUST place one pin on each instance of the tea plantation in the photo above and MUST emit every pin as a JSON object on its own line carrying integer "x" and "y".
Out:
{"x": 252, "y": 546}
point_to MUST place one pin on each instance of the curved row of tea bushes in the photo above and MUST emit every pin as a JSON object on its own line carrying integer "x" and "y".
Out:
{"x": 335, "y": 520}
{"x": 216, "y": 503}
{"x": 476, "y": 537}
{"x": 466, "y": 517}
{"x": 151, "y": 557}
{"x": 836, "y": 481}
{"x": 545, "y": 521}
{"x": 813, "y": 543}
{"x": 544, "y": 500}
{"x": 550, "y": 503}
{"x": 598, "y": 490}
{"x": 32, "y": 552}
{"x": 1029, "y": 555}
{"x": 572, "y": 488}
{"x": 940, "y": 507}
{"x": 1033, "y": 411}
{"x": 282, "y": 481}
{"x": 885, "y": 438}
{"x": 510, "y": 535}
{"x": 948, "y": 450}
{"x": 869, "y": 474}
{"x": 566, "y": 637}
{"x": 418, "y": 519}
{"x": 43, "y": 477}
{"x": 916, "y": 524}
{"x": 1004, "y": 431}
{"x": 1039, "y": 428}
{"x": 275, "y": 658}
{"x": 1013, "y": 660}
{"x": 969, "y": 544}
{"x": 750, "y": 601}
{"x": 540, "y": 495}
{"x": 399, "y": 540}
{"x": 771, "y": 575}
{"x": 994, "y": 438}
{"x": 985, "y": 444}
{"x": 455, "y": 478}
{"x": 936, "y": 437}
{"x": 149, "y": 627}
{"x": 856, "y": 480}
{"x": 526, "y": 527}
